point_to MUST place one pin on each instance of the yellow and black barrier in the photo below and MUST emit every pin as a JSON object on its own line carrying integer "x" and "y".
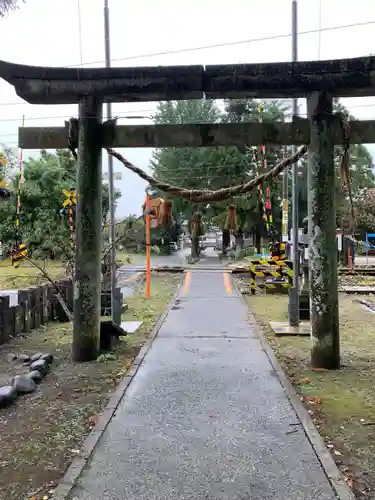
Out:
{"x": 19, "y": 254}
{"x": 278, "y": 251}
{"x": 282, "y": 270}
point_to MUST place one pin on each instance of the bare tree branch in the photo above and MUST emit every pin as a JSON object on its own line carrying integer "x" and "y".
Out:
{"x": 8, "y": 5}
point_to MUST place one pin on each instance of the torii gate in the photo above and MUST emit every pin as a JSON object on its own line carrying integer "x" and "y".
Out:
{"x": 318, "y": 81}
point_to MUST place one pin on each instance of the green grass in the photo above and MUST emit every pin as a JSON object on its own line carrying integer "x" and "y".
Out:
{"x": 342, "y": 402}
{"x": 27, "y": 274}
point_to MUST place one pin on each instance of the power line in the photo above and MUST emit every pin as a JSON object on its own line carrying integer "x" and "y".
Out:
{"x": 234, "y": 43}
{"x": 215, "y": 46}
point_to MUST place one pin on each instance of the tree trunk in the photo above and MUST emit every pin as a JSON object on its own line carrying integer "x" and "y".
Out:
{"x": 86, "y": 325}
{"x": 195, "y": 247}
{"x": 323, "y": 253}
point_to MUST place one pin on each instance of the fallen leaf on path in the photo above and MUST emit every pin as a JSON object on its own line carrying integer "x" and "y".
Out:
{"x": 306, "y": 380}
{"x": 314, "y": 400}
{"x": 93, "y": 420}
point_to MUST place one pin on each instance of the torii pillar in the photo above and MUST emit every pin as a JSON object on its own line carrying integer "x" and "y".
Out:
{"x": 90, "y": 88}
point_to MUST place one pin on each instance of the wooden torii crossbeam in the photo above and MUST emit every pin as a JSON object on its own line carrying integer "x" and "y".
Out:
{"x": 318, "y": 81}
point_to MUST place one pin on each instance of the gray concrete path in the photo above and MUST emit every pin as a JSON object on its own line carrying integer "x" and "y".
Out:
{"x": 205, "y": 416}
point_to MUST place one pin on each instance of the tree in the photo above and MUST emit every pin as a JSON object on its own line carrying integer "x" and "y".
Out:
{"x": 8, "y": 5}
{"x": 215, "y": 168}
{"x": 365, "y": 212}
{"x": 43, "y": 226}
{"x": 362, "y": 178}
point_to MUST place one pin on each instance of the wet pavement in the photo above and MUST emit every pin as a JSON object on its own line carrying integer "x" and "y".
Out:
{"x": 205, "y": 416}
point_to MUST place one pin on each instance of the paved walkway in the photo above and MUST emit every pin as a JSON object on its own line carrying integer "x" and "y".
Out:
{"x": 205, "y": 416}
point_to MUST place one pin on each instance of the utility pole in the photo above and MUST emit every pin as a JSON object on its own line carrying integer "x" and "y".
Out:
{"x": 284, "y": 208}
{"x": 111, "y": 192}
{"x": 294, "y": 292}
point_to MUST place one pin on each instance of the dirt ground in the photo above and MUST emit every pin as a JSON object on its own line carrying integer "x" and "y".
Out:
{"x": 42, "y": 432}
{"x": 341, "y": 403}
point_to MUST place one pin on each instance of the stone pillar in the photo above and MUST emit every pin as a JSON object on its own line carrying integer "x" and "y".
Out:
{"x": 322, "y": 251}
{"x": 86, "y": 324}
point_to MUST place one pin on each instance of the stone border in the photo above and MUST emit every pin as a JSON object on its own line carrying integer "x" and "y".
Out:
{"x": 334, "y": 476}
{"x": 75, "y": 470}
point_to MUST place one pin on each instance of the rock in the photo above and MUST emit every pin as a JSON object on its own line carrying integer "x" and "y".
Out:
{"x": 24, "y": 358}
{"x": 23, "y": 384}
{"x": 35, "y": 375}
{"x": 48, "y": 358}
{"x": 39, "y": 365}
{"x": 11, "y": 357}
{"x": 36, "y": 356}
{"x": 7, "y": 395}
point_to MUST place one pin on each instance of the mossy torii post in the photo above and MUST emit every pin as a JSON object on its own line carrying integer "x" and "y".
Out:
{"x": 87, "y": 275}
{"x": 344, "y": 78}
{"x": 325, "y": 352}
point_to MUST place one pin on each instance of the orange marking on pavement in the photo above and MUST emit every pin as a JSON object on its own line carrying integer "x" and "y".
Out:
{"x": 186, "y": 286}
{"x": 227, "y": 284}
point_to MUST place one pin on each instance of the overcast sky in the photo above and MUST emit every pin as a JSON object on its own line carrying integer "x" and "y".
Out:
{"x": 46, "y": 32}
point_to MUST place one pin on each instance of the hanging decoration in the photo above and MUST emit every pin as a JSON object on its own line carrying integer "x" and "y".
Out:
{"x": 70, "y": 203}
{"x": 19, "y": 251}
{"x": 166, "y": 215}
{"x": 263, "y": 159}
{"x": 262, "y": 204}
{"x": 231, "y": 220}
{"x": 196, "y": 226}
{"x": 160, "y": 212}
{"x": 205, "y": 195}
{"x": 155, "y": 210}
{"x": 4, "y": 193}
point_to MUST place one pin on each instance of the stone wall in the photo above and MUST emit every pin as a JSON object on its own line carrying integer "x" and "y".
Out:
{"x": 36, "y": 306}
